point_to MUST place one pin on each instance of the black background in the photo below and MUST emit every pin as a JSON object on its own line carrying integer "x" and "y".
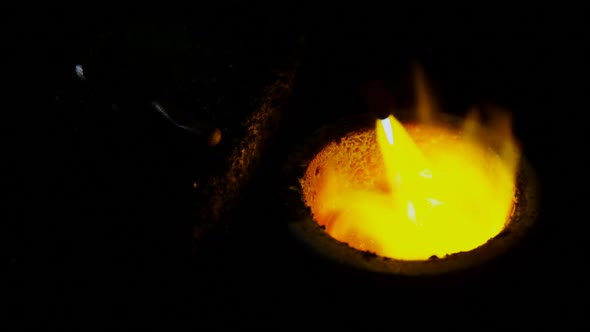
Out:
{"x": 105, "y": 231}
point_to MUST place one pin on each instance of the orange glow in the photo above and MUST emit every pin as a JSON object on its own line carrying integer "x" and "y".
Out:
{"x": 412, "y": 191}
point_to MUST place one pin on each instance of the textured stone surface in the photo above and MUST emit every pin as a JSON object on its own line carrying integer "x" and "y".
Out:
{"x": 260, "y": 127}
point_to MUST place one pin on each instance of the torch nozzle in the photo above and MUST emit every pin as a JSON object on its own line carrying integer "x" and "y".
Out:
{"x": 381, "y": 114}
{"x": 378, "y": 98}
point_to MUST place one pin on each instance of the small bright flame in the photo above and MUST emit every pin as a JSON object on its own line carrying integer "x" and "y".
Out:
{"x": 426, "y": 174}
{"x": 436, "y": 191}
{"x": 386, "y": 123}
{"x": 411, "y": 211}
{"x": 433, "y": 202}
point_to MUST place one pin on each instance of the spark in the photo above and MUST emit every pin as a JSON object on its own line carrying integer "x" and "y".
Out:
{"x": 80, "y": 72}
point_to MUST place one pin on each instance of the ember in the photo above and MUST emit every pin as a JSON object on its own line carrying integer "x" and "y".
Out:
{"x": 416, "y": 190}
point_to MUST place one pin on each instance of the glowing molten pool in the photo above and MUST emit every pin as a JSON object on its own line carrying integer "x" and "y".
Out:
{"x": 416, "y": 190}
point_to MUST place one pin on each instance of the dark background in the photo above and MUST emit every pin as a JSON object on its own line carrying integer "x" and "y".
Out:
{"x": 105, "y": 231}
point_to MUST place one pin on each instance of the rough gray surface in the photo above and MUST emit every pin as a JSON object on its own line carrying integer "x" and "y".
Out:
{"x": 221, "y": 191}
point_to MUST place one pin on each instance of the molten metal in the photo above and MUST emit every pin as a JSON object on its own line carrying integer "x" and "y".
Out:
{"x": 416, "y": 190}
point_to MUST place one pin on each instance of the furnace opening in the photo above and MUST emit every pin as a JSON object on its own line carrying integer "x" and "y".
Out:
{"x": 415, "y": 190}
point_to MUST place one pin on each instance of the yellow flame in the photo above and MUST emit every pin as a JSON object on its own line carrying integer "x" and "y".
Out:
{"x": 436, "y": 191}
